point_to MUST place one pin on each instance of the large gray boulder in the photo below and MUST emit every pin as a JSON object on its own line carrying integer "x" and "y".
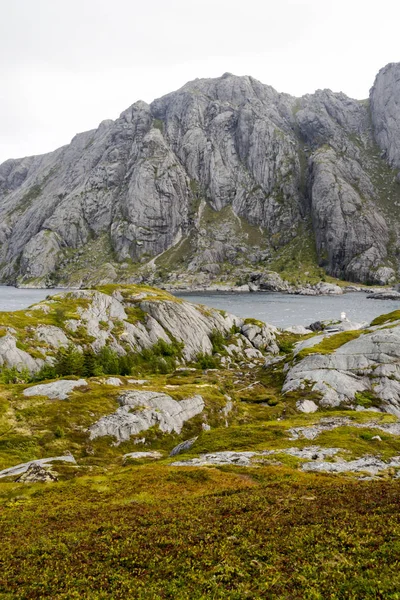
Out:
{"x": 190, "y": 324}
{"x": 139, "y": 411}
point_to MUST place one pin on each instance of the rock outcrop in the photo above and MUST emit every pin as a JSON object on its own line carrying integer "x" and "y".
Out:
{"x": 139, "y": 411}
{"x": 362, "y": 373}
{"x": 221, "y": 174}
{"x": 127, "y": 320}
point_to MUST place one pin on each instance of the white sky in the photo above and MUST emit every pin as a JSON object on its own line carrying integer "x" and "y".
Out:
{"x": 66, "y": 65}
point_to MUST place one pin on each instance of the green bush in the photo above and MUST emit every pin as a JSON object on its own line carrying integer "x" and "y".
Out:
{"x": 218, "y": 341}
{"x": 206, "y": 361}
{"x": 13, "y": 375}
{"x": 69, "y": 361}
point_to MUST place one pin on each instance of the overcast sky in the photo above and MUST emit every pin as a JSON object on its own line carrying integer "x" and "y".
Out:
{"x": 68, "y": 64}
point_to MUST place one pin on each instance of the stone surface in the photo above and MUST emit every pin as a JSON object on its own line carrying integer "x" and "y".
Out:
{"x": 19, "y": 469}
{"x": 189, "y": 325}
{"x": 370, "y": 363}
{"x": 139, "y": 411}
{"x": 247, "y": 459}
{"x": 242, "y": 459}
{"x": 298, "y": 329}
{"x": 306, "y": 406}
{"x": 183, "y": 446}
{"x": 12, "y": 356}
{"x": 366, "y": 464}
{"x": 151, "y": 455}
{"x": 38, "y": 473}
{"x": 57, "y": 390}
{"x": 115, "y": 381}
{"x": 52, "y": 336}
{"x": 385, "y": 111}
{"x": 268, "y": 163}
{"x": 311, "y": 432}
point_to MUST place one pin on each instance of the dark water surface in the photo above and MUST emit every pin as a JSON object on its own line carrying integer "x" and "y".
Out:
{"x": 283, "y": 310}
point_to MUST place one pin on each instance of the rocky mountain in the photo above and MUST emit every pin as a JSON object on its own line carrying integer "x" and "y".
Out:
{"x": 220, "y": 179}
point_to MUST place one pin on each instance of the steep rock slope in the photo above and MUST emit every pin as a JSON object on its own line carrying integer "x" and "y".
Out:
{"x": 222, "y": 171}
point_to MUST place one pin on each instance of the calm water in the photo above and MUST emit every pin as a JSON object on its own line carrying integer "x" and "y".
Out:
{"x": 283, "y": 310}
{"x": 15, "y": 299}
{"x": 278, "y": 309}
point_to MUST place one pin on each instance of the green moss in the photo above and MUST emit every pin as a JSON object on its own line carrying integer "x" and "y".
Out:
{"x": 176, "y": 256}
{"x": 251, "y": 321}
{"x": 31, "y": 195}
{"x": 158, "y": 124}
{"x": 367, "y": 399}
{"x": 387, "y": 318}
{"x": 330, "y": 343}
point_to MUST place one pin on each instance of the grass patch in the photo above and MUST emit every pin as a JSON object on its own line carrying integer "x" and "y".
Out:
{"x": 388, "y": 318}
{"x": 330, "y": 343}
{"x": 157, "y": 532}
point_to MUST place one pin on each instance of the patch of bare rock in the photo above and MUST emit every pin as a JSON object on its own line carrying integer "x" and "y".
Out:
{"x": 139, "y": 410}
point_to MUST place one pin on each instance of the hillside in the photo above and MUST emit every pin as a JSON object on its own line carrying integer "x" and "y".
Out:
{"x": 153, "y": 448}
{"x": 211, "y": 183}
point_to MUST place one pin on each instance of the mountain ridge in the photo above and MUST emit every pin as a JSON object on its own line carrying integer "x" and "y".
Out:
{"x": 212, "y": 182}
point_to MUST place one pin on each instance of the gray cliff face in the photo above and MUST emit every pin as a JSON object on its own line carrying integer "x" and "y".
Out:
{"x": 222, "y": 171}
{"x": 385, "y": 112}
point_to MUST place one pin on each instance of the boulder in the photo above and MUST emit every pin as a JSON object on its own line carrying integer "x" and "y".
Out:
{"x": 183, "y": 446}
{"x": 115, "y": 381}
{"x": 306, "y": 406}
{"x": 139, "y": 411}
{"x": 38, "y": 473}
{"x": 52, "y": 336}
{"x": 56, "y": 390}
{"x": 298, "y": 329}
{"x": 12, "y": 356}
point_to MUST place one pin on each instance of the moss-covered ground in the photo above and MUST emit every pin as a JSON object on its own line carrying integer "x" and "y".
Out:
{"x": 150, "y": 532}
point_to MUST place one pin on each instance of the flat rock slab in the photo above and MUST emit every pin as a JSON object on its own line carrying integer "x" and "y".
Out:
{"x": 57, "y": 390}
{"x": 21, "y": 468}
{"x": 152, "y": 455}
{"x": 113, "y": 381}
{"x": 367, "y": 464}
{"x": 327, "y": 424}
{"x": 248, "y": 459}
